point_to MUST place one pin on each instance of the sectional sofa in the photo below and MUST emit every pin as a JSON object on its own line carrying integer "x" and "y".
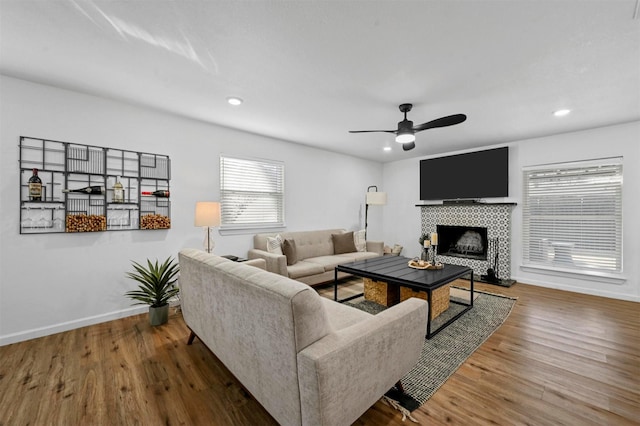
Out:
{"x": 307, "y": 359}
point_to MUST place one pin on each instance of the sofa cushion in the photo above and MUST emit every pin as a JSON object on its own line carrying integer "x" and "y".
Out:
{"x": 358, "y": 256}
{"x": 289, "y": 250}
{"x": 302, "y": 268}
{"x": 343, "y": 243}
{"x": 274, "y": 244}
{"x": 313, "y": 243}
{"x": 330, "y": 262}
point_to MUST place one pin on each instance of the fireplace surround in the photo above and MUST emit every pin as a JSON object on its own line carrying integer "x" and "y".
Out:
{"x": 495, "y": 217}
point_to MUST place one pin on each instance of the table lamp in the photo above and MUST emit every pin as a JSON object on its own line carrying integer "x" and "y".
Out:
{"x": 207, "y": 216}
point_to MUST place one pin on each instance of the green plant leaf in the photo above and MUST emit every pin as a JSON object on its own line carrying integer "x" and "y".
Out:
{"x": 156, "y": 282}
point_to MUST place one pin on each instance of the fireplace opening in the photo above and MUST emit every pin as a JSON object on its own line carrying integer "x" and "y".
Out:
{"x": 462, "y": 241}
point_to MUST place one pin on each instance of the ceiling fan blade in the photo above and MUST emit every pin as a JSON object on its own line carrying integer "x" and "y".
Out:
{"x": 369, "y": 131}
{"x": 441, "y": 122}
{"x": 408, "y": 146}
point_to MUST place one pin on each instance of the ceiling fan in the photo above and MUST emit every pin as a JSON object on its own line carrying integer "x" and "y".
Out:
{"x": 406, "y": 133}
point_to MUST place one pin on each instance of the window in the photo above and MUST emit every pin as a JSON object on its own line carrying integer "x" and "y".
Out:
{"x": 252, "y": 193}
{"x": 572, "y": 216}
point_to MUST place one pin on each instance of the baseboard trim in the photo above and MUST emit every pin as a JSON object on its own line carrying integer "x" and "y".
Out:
{"x": 581, "y": 290}
{"x": 70, "y": 325}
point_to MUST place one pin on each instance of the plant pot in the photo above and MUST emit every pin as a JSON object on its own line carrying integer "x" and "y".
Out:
{"x": 159, "y": 315}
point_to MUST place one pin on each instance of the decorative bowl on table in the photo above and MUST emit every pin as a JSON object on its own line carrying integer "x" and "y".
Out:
{"x": 416, "y": 263}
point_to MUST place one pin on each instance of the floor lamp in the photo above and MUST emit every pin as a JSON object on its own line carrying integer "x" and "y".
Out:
{"x": 373, "y": 198}
{"x": 207, "y": 216}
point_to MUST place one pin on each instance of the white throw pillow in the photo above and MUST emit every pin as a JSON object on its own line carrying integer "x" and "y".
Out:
{"x": 359, "y": 241}
{"x": 274, "y": 244}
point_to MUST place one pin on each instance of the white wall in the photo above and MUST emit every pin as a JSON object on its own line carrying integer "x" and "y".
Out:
{"x": 56, "y": 282}
{"x": 51, "y": 283}
{"x": 402, "y": 218}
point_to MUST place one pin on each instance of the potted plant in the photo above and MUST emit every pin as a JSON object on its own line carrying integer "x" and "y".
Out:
{"x": 156, "y": 287}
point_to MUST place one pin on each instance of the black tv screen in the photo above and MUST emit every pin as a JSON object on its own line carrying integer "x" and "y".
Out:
{"x": 470, "y": 176}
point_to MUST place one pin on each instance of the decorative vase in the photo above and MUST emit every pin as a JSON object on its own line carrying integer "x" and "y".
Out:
{"x": 159, "y": 315}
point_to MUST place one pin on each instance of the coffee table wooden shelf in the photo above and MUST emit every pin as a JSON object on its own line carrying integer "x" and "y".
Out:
{"x": 394, "y": 270}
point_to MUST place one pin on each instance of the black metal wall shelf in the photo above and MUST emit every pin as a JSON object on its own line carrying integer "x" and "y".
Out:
{"x": 65, "y": 165}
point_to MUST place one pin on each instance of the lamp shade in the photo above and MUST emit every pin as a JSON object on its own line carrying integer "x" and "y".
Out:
{"x": 377, "y": 198}
{"x": 207, "y": 213}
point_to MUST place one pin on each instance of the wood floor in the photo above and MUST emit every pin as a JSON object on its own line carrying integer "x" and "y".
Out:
{"x": 560, "y": 359}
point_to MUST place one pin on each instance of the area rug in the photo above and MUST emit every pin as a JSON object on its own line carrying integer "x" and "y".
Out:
{"x": 444, "y": 353}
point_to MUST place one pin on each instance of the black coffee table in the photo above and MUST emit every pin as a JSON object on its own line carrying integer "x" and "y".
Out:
{"x": 395, "y": 270}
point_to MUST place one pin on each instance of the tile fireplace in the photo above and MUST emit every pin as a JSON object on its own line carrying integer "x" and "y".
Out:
{"x": 476, "y": 235}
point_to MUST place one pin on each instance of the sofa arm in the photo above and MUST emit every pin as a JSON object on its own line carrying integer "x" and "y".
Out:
{"x": 346, "y": 372}
{"x": 376, "y": 246}
{"x": 276, "y": 263}
{"x": 258, "y": 263}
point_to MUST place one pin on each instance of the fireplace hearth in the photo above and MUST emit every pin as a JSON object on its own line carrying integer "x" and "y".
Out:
{"x": 469, "y": 242}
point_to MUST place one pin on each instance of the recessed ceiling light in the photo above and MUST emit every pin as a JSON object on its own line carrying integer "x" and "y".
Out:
{"x": 561, "y": 112}
{"x": 234, "y": 101}
{"x": 387, "y": 148}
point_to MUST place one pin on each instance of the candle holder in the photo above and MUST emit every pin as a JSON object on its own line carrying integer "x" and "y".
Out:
{"x": 433, "y": 251}
{"x": 425, "y": 254}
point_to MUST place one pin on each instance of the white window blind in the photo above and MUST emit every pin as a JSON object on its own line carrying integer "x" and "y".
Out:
{"x": 572, "y": 216}
{"x": 252, "y": 193}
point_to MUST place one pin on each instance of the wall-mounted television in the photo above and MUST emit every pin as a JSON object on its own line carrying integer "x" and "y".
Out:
{"x": 469, "y": 176}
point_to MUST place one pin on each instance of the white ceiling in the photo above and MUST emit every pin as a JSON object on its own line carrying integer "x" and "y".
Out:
{"x": 310, "y": 71}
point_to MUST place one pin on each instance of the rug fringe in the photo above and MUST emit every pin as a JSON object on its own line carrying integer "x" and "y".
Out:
{"x": 395, "y": 404}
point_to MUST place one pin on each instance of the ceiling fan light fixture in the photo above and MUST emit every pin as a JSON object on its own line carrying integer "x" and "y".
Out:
{"x": 406, "y": 132}
{"x": 405, "y": 137}
{"x": 234, "y": 100}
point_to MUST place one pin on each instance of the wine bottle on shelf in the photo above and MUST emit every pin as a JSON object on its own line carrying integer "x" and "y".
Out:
{"x": 118, "y": 192}
{"x": 35, "y": 187}
{"x": 93, "y": 190}
{"x": 162, "y": 193}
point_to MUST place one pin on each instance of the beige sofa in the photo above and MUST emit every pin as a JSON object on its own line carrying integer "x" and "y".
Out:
{"x": 306, "y": 359}
{"x": 316, "y": 258}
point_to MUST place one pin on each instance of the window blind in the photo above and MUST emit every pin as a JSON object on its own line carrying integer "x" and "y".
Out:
{"x": 251, "y": 192}
{"x": 572, "y": 216}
